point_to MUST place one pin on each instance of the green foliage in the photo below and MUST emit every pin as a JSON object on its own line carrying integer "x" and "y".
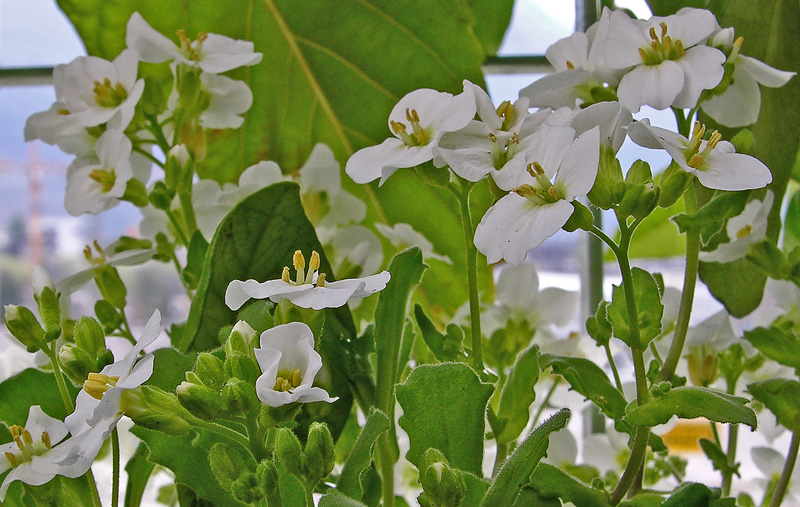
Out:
{"x": 445, "y": 346}
{"x": 31, "y": 387}
{"x": 693, "y": 494}
{"x": 138, "y": 470}
{"x": 590, "y": 380}
{"x": 517, "y": 469}
{"x": 444, "y": 407}
{"x": 739, "y": 285}
{"x": 359, "y": 458}
{"x": 491, "y": 18}
{"x": 551, "y": 482}
{"x": 711, "y": 217}
{"x": 513, "y": 410}
{"x": 776, "y": 344}
{"x": 718, "y": 458}
{"x": 781, "y": 397}
{"x": 647, "y": 295}
{"x": 791, "y": 237}
{"x": 337, "y": 499}
{"x": 689, "y": 402}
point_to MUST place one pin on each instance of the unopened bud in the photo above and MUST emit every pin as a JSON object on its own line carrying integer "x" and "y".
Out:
{"x": 201, "y": 401}
{"x": 245, "y": 489}
{"x": 241, "y": 339}
{"x": 111, "y": 287}
{"x": 319, "y": 452}
{"x": 673, "y": 183}
{"x": 194, "y": 137}
{"x": 289, "y": 452}
{"x": 153, "y": 99}
{"x": 108, "y": 316}
{"x": 161, "y": 196}
{"x": 77, "y": 363}
{"x": 155, "y": 409}
{"x": 267, "y": 477}
{"x": 89, "y": 336}
{"x": 609, "y": 175}
{"x": 177, "y": 170}
{"x": 639, "y": 173}
{"x": 226, "y": 464}
{"x": 443, "y": 485}
{"x": 744, "y": 141}
{"x": 47, "y": 301}
{"x": 240, "y": 396}
{"x": 23, "y": 325}
{"x": 703, "y": 365}
{"x": 210, "y": 370}
{"x": 135, "y": 193}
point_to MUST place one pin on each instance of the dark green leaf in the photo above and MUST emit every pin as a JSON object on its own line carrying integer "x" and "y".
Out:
{"x": 781, "y": 397}
{"x": 643, "y": 500}
{"x": 791, "y": 238}
{"x": 667, "y": 7}
{"x": 689, "y": 402}
{"x": 444, "y": 407}
{"x": 517, "y": 469}
{"x": 528, "y": 497}
{"x": 776, "y": 344}
{"x": 493, "y": 17}
{"x": 443, "y": 345}
{"x": 169, "y": 368}
{"x": 648, "y": 308}
{"x": 717, "y": 456}
{"x": 517, "y": 395}
{"x": 551, "y": 482}
{"x": 476, "y": 489}
{"x": 588, "y": 379}
{"x": 691, "y": 494}
{"x": 739, "y": 285}
{"x": 139, "y": 470}
{"x": 361, "y": 454}
{"x": 710, "y": 218}
{"x": 31, "y": 387}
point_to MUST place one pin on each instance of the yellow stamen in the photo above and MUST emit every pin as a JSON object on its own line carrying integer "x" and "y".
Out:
{"x": 663, "y": 29}
{"x": 526, "y": 190}
{"x": 295, "y": 378}
{"x": 285, "y": 275}
{"x": 15, "y": 431}
{"x": 298, "y": 260}
{"x": 313, "y": 263}
{"x": 282, "y": 385}
{"x": 12, "y": 459}
{"x": 653, "y": 34}
{"x": 97, "y": 384}
{"x": 46, "y": 440}
{"x": 63, "y": 112}
{"x": 106, "y": 178}
{"x": 321, "y": 280}
{"x": 696, "y": 161}
{"x": 570, "y": 65}
{"x": 26, "y": 436}
{"x": 397, "y": 127}
{"x": 555, "y": 194}
{"x": 744, "y": 231}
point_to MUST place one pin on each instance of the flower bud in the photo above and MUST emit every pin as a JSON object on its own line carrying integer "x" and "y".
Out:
{"x": 609, "y": 175}
{"x": 23, "y": 325}
{"x": 194, "y": 137}
{"x": 240, "y": 339}
{"x": 153, "y": 99}
{"x": 245, "y": 489}
{"x": 111, "y": 287}
{"x": 243, "y": 368}
{"x": 289, "y": 452}
{"x": 240, "y": 396}
{"x": 201, "y": 401}
{"x": 210, "y": 370}
{"x": 673, "y": 182}
{"x": 646, "y": 202}
{"x": 267, "y": 477}
{"x": 443, "y": 485}
{"x": 319, "y": 452}
{"x": 47, "y": 301}
{"x": 161, "y": 197}
{"x": 89, "y": 336}
{"x": 77, "y": 363}
{"x": 226, "y": 464}
{"x": 703, "y": 365}
{"x": 135, "y": 193}
{"x": 107, "y": 315}
{"x": 178, "y": 170}
{"x": 155, "y": 409}
{"x": 639, "y": 173}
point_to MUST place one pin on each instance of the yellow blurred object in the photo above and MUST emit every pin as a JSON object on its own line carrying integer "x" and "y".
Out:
{"x": 684, "y": 437}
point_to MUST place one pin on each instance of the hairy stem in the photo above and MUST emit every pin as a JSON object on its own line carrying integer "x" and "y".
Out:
{"x": 472, "y": 275}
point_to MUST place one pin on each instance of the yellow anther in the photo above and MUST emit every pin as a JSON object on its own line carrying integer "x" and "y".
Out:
{"x": 526, "y": 190}
{"x": 285, "y": 275}
{"x": 492, "y": 137}
{"x": 282, "y": 385}
{"x": 570, "y": 65}
{"x": 696, "y": 161}
{"x": 397, "y": 127}
{"x": 679, "y": 47}
{"x": 538, "y": 167}
{"x": 653, "y": 34}
{"x": 26, "y": 436}
{"x": 744, "y": 231}
{"x": 313, "y": 263}
{"x": 412, "y": 116}
{"x": 513, "y": 140}
{"x": 12, "y": 459}
{"x": 298, "y": 260}
{"x": 15, "y": 431}
{"x": 554, "y": 193}
{"x": 87, "y": 252}
{"x": 667, "y": 44}
{"x": 63, "y": 112}
{"x": 716, "y": 137}
{"x": 573, "y": 335}
{"x": 202, "y": 36}
{"x": 97, "y": 384}
{"x": 105, "y": 178}
{"x": 663, "y": 29}
{"x": 643, "y": 55}
{"x": 295, "y": 378}
{"x": 46, "y": 440}
{"x": 738, "y": 42}
{"x": 321, "y": 280}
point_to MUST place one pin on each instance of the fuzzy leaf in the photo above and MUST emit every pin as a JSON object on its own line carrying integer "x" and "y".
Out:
{"x": 517, "y": 395}
{"x": 689, "y": 402}
{"x": 648, "y": 307}
{"x": 781, "y": 397}
{"x": 588, "y": 379}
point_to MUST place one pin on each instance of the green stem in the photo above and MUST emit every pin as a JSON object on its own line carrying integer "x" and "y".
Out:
{"x": 62, "y": 385}
{"x": 387, "y": 470}
{"x": 188, "y": 213}
{"x": 310, "y": 497}
{"x": 149, "y": 155}
{"x": 727, "y": 476}
{"x": 177, "y": 226}
{"x": 155, "y": 128}
{"x": 472, "y": 275}
{"x": 115, "y": 458}
{"x": 502, "y": 449}
{"x": 687, "y": 295}
{"x": 613, "y": 365}
{"x": 500, "y": 457}
{"x": 638, "y": 452}
{"x": 255, "y": 436}
{"x": 715, "y": 432}
{"x": 788, "y": 467}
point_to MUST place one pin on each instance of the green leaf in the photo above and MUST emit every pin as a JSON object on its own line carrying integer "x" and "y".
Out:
{"x": 791, "y": 227}
{"x": 256, "y": 240}
{"x": 31, "y": 387}
{"x": 513, "y": 410}
{"x": 494, "y": 16}
{"x": 139, "y": 470}
{"x": 446, "y": 347}
{"x": 657, "y": 236}
{"x": 781, "y": 397}
{"x": 688, "y": 402}
{"x": 691, "y": 494}
{"x": 337, "y": 499}
{"x": 648, "y": 307}
{"x": 517, "y": 469}
{"x": 588, "y": 379}
{"x": 551, "y": 482}
{"x": 528, "y": 497}
{"x": 643, "y": 500}
{"x": 710, "y": 218}
{"x": 187, "y": 457}
{"x": 667, "y": 7}
{"x": 169, "y": 368}
{"x": 444, "y": 407}
{"x": 476, "y": 489}
{"x": 718, "y": 458}
{"x": 739, "y": 285}
{"x": 360, "y": 456}
{"x": 777, "y": 345}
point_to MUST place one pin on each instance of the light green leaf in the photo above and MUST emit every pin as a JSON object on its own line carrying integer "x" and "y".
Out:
{"x": 517, "y": 469}
{"x": 513, "y": 410}
{"x": 360, "y": 456}
{"x": 588, "y": 379}
{"x": 781, "y": 397}
{"x": 777, "y": 345}
{"x": 710, "y": 218}
{"x": 31, "y": 387}
{"x": 791, "y": 238}
{"x": 337, "y": 499}
{"x": 690, "y": 402}
{"x": 551, "y": 482}
{"x": 657, "y": 236}
{"x": 138, "y": 470}
{"x": 691, "y": 494}
{"x": 446, "y": 347}
{"x": 444, "y": 407}
{"x": 494, "y": 17}
{"x": 648, "y": 307}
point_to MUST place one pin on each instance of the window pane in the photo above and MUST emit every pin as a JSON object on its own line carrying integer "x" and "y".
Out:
{"x": 536, "y": 24}
{"x": 35, "y": 33}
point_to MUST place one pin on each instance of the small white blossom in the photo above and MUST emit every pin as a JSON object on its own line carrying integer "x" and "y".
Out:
{"x": 289, "y": 365}
{"x": 744, "y": 230}
{"x": 404, "y": 236}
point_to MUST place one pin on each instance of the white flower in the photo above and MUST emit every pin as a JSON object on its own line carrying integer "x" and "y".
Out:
{"x": 95, "y": 185}
{"x": 229, "y": 100}
{"x": 94, "y": 91}
{"x": 30, "y": 457}
{"x": 417, "y": 122}
{"x": 740, "y": 103}
{"x": 715, "y": 162}
{"x": 579, "y": 67}
{"x": 612, "y": 118}
{"x": 743, "y": 230}
{"x": 669, "y": 66}
{"x": 308, "y": 290}
{"x": 537, "y": 208}
{"x": 404, "y": 236}
{"x": 326, "y": 203}
{"x": 770, "y": 463}
{"x": 210, "y": 52}
{"x": 55, "y": 127}
{"x": 106, "y": 257}
{"x": 289, "y": 364}
{"x": 353, "y": 250}
{"x": 100, "y": 403}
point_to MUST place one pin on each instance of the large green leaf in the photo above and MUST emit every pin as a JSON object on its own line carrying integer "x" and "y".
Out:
{"x": 493, "y": 17}
{"x": 513, "y": 410}
{"x": 360, "y": 457}
{"x": 551, "y": 482}
{"x": 691, "y": 402}
{"x": 649, "y": 309}
{"x": 781, "y": 397}
{"x": 444, "y": 407}
{"x": 31, "y": 387}
{"x": 777, "y": 345}
{"x": 517, "y": 469}
{"x": 588, "y": 379}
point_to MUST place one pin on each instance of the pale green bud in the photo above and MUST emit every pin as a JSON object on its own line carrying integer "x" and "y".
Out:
{"x": 226, "y": 464}
{"x": 319, "y": 452}
{"x": 267, "y": 477}
{"x": 245, "y": 489}
{"x": 202, "y": 401}
{"x": 155, "y": 409}
{"x": 210, "y": 370}
{"x": 289, "y": 452}
{"x": 89, "y": 336}
{"x": 77, "y": 363}
{"x": 111, "y": 287}
{"x": 135, "y": 193}
{"x": 673, "y": 183}
{"x": 161, "y": 197}
{"x": 23, "y": 325}
{"x": 638, "y": 173}
{"x": 47, "y": 301}
{"x": 240, "y": 396}
{"x": 178, "y": 170}
{"x": 443, "y": 485}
